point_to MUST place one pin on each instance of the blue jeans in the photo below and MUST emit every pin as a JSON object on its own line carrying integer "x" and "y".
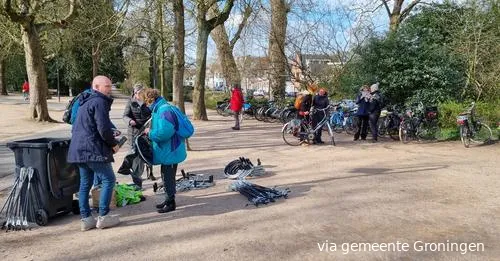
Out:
{"x": 104, "y": 171}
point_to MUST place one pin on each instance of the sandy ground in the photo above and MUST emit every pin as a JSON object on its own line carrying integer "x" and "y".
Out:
{"x": 16, "y": 123}
{"x": 355, "y": 192}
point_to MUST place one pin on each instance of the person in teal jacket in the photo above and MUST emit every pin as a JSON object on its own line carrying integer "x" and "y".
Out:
{"x": 169, "y": 149}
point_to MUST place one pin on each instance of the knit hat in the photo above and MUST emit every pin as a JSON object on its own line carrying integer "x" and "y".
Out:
{"x": 138, "y": 87}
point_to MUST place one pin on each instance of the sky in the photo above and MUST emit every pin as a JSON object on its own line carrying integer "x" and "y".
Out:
{"x": 323, "y": 27}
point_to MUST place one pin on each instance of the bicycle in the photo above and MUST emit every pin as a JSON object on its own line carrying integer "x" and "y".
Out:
{"x": 420, "y": 123}
{"x": 299, "y": 131}
{"x": 388, "y": 123}
{"x": 223, "y": 108}
{"x": 337, "y": 118}
{"x": 472, "y": 129}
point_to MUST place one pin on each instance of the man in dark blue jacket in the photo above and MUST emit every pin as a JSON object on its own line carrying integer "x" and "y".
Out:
{"x": 92, "y": 147}
{"x": 320, "y": 101}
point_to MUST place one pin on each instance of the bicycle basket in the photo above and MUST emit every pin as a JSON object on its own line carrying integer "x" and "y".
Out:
{"x": 431, "y": 113}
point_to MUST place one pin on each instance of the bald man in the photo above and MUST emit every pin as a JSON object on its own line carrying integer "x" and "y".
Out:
{"x": 92, "y": 147}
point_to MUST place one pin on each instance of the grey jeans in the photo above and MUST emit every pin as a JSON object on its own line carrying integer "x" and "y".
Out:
{"x": 237, "y": 119}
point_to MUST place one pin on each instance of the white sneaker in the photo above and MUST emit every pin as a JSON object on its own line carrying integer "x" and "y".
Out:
{"x": 107, "y": 221}
{"x": 88, "y": 223}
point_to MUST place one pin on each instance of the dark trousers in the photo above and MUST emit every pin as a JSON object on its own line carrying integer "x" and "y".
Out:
{"x": 317, "y": 117}
{"x": 168, "y": 177}
{"x": 137, "y": 170}
{"x": 237, "y": 119}
{"x": 362, "y": 127}
{"x": 373, "y": 124}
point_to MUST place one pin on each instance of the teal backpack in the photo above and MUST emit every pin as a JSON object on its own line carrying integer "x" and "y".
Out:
{"x": 183, "y": 126}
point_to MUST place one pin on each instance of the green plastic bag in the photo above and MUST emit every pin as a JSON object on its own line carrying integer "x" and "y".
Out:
{"x": 126, "y": 195}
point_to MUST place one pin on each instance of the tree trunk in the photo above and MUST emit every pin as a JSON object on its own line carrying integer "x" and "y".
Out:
{"x": 3, "y": 85}
{"x": 225, "y": 54}
{"x": 36, "y": 74}
{"x": 395, "y": 15}
{"x": 393, "y": 22}
{"x": 199, "y": 110}
{"x": 277, "y": 58}
{"x": 96, "y": 56}
{"x": 153, "y": 66}
{"x": 178, "y": 74}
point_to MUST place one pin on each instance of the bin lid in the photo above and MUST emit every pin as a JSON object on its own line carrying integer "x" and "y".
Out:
{"x": 39, "y": 143}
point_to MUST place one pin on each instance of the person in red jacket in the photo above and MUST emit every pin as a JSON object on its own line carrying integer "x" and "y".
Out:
{"x": 26, "y": 90}
{"x": 236, "y": 104}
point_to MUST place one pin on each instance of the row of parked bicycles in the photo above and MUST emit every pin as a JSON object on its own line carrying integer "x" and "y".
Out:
{"x": 415, "y": 122}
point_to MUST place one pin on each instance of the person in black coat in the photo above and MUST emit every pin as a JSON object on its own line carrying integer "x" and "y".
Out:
{"x": 92, "y": 147}
{"x": 362, "y": 100}
{"x": 320, "y": 101}
{"x": 303, "y": 112}
{"x": 136, "y": 114}
{"x": 374, "y": 109}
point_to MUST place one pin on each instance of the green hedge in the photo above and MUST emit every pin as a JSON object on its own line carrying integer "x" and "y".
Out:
{"x": 211, "y": 98}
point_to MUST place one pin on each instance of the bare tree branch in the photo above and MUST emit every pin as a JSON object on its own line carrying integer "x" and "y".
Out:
{"x": 13, "y": 15}
{"x": 408, "y": 9}
{"x": 69, "y": 17}
{"x": 386, "y": 7}
{"x": 215, "y": 21}
{"x": 246, "y": 15}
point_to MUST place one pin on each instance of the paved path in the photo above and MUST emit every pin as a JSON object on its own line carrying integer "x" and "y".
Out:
{"x": 352, "y": 193}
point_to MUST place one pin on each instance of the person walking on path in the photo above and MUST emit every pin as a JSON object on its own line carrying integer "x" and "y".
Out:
{"x": 362, "y": 100}
{"x": 92, "y": 147}
{"x": 169, "y": 148}
{"x": 320, "y": 101}
{"x": 26, "y": 89}
{"x": 374, "y": 109}
{"x": 136, "y": 114}
{"x": 236, "y": 104}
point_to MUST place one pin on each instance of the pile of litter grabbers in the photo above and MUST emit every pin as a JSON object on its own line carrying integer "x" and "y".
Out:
{"x": 258, "y": 195}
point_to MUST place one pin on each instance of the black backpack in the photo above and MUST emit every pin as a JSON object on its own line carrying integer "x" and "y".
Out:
{"x": 69, "y": 108}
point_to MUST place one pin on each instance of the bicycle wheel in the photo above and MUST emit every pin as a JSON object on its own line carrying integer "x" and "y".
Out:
{"x": 351, "y": 125}
{"x": 404, "y": 130}
{"x": 329, "y": 130}
{"x": 381, "y": 125}
{"x": 393, "y": 133}
{"x": 464, "y": 135}
{"x": 220, "y": 109}
{"x": 427, "y": 131}
{"x": 482, "y": 135}
{"x": 291, "y": 133}
{"x": 260, "y": 114}
{"x": 393, "y": 128}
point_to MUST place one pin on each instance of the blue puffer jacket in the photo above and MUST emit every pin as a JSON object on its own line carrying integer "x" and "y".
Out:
{"x": 92, "y": 135}
{"x": 168, "y": 147}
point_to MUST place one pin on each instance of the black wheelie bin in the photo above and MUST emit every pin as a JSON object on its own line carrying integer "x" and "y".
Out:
{"x": 58, "y": 180}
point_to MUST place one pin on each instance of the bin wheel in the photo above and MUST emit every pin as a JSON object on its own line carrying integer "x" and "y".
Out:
{"x": 41, "y": 217}
{"x": 75, "y": 208}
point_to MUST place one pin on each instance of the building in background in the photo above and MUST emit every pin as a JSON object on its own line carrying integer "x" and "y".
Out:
{"x": 306, "y": 68}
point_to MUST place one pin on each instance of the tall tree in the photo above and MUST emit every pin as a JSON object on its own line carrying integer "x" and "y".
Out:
{"x": 178, "y": 72}
{"x": 398, "y": 13}
{"x": 26, "y": 15}
{"x": 277, "y": 58}
{"x": 225, "y": 46}
{"x": 9, "y": 44}
{"x": 205, "y": 26}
